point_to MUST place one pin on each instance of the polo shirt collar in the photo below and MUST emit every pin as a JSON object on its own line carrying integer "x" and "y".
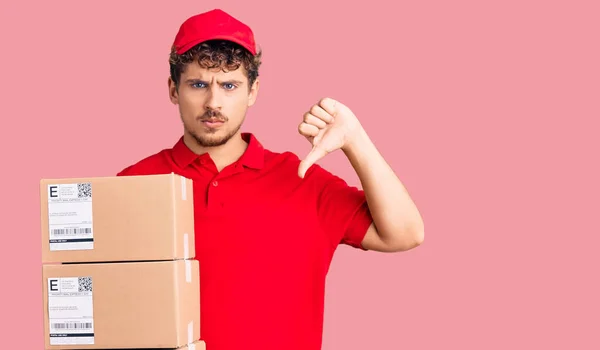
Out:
{"x": 253, "y": 157}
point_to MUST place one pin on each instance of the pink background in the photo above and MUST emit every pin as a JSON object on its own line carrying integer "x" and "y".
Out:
{"x": 488, "y": 111}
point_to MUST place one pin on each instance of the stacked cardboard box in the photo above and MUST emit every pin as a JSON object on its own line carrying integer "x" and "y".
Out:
{"x": 118, "y": 263}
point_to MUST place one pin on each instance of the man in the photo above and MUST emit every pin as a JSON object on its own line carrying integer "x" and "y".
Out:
{"x": 267, "y": 223}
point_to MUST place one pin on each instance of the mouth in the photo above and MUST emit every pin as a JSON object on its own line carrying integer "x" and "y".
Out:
{"x": 213, "y": 123}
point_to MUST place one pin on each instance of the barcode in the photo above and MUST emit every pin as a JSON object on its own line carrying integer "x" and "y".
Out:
{"x": 72, "y": 325}
{"x": 70, "y": 231}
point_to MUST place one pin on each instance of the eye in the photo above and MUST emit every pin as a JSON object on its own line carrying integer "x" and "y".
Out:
{"x": 198, "y": 85}
{"x": 229, "y": 86}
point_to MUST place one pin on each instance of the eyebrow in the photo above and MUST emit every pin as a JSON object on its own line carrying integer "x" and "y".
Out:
{"x": 230, "y": 81}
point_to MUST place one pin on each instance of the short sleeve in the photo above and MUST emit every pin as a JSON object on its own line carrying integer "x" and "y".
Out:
{"x": 342, "y": 209}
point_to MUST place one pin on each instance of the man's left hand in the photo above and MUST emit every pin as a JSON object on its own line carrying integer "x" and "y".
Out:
{"x": 328, "y": 126}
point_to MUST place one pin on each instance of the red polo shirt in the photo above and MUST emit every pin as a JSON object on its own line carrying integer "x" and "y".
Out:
{"x": 264, "y": 239}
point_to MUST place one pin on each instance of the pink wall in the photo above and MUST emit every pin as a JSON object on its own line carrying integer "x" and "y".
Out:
{"x": 488, "y": 113}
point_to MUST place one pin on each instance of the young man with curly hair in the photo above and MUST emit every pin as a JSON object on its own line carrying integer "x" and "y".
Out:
{"x": 268, "y": 223}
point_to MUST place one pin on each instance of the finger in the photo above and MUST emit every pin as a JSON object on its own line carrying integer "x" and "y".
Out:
{"x": 312, "y": 157}
{"x": 308, "y": 130}
{"x": 320, "y": 113}
{"x": 329, "y": 105}
{"x": 311, "y": 119}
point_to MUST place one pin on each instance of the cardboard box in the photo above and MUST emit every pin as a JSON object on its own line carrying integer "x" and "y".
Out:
{"x": 124, "y": 218}
{"x": 197, "y": 345}
{"x": 141, "y": 305}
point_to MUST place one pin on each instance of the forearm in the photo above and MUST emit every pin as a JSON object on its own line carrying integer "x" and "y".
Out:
{"x": 396, "y": 217}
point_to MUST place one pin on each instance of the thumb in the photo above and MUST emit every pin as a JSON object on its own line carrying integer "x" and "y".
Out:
{"x": 311, "y": 158}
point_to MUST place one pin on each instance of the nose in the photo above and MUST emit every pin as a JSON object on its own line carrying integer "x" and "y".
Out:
{"x": 213, "y": 100}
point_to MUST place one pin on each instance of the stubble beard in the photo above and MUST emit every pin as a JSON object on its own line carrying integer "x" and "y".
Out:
{"x": 208, "y": 139}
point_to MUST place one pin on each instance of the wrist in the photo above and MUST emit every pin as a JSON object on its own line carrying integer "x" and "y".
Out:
{"x": 356, "y": 145}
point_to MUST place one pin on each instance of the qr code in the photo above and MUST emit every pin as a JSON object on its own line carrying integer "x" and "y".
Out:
{"x": 84, "y": 190}
{"x": 85, "y": 284}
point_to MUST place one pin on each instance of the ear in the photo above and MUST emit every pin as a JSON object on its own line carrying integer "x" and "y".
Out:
{"x": 173, "y": 96}
{"x": 253, "y": 94}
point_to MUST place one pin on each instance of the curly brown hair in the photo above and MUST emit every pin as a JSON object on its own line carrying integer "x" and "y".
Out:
{"x": 211, "y": 54}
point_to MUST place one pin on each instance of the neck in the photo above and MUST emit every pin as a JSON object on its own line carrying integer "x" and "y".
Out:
{"x": 223, "y": 155}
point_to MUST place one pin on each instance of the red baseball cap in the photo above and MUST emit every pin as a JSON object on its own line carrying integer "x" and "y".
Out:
{"x": 214, "y": 24}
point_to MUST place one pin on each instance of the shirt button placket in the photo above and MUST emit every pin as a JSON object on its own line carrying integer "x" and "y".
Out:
{"x": 214, "y": 198}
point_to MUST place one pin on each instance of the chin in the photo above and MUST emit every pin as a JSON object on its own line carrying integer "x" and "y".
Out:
{"x": 213, "y": 139}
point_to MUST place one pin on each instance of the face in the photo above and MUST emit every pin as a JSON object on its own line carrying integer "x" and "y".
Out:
{"x": 212, "y": 103}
